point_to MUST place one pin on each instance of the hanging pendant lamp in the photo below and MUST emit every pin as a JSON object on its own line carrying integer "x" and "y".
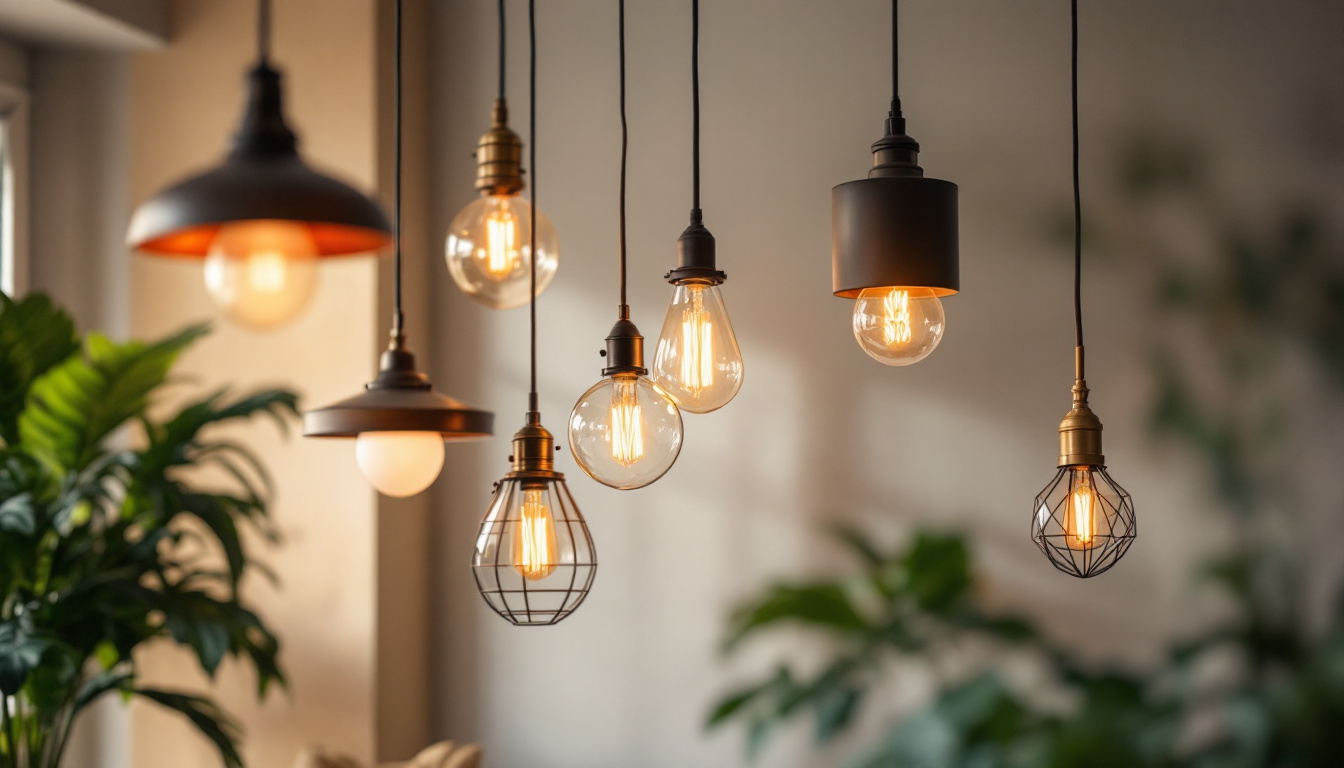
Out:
{"x": 490, "y": 242}
{"x": 697, "y": 361}
{"x": 263, "y": 219}
{"x": 399, "y": 421}
{"x": 1083, "y": 520}
{"x": 625, "y": 431}
{"x": 535, "y": 560}
{"x": 894, "y": 244}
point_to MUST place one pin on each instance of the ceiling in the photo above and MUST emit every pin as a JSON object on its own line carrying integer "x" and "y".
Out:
{"x": 102, "y": 24}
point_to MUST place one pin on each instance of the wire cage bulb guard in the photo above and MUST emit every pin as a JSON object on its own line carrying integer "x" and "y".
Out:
{"x": 490, "y": 244}
{"x": 534, "y": 561}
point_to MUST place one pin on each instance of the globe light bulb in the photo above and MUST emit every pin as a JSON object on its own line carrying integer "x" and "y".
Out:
{"x": 1083, "y": 520}
{"x": 534, "y": 547}
{"x": 489, "y": 255}
{"x": 625, "y": 431}
{"x": 698, "y": 361}
{"x": 898, "y": 326}
{"x": 399, "y": 464}
{"x": 261, "y": 273}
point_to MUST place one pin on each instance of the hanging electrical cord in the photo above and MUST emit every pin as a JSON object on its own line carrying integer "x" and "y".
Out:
{"x": 264, "y": 32}
{"x": 502, "y": 48}
{"x": 398, "y": 320}
{"x": 1077, "y": 209}
{"x": 895, "y": 63}
{"x": 625, "y": 146}
{"x": 532, "y": 398}
{"x": 695, "y": 108}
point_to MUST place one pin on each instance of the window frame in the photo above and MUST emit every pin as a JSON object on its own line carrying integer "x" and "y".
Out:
{"x": 14, "y": 114}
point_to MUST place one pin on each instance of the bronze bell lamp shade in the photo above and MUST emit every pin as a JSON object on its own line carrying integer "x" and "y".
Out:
{"x": 894, "y": 244}
{"x": 263, "y": 218}
{"x": 1083, "y": 521}
{"x": 399, "y": 422}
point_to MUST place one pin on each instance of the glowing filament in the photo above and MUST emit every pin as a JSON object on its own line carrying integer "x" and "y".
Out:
{"x": 1080, "y": 514}
{"x": 697, "y": 359}
{"x": 499, "y": 255}
{"x": 896, "y": 318}
{"x": 627, "y": 424}
{"x": 534, "y": 538}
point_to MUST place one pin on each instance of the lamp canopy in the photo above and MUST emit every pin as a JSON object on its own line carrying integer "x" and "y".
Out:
{"x": 263, "y": 178}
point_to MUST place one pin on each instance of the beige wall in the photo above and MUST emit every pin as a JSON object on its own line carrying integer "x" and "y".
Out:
{"x": 185, "y": 102}
{"x": 794, "y": 91}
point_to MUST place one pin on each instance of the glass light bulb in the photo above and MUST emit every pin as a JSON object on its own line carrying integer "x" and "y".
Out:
{"x": 625, "y": 432}
{"x": 261, "y": 273}
{"x": 399, "y": 463}
{"x": 489, "y": 255}
{"x": 898, "y": 326}
{"x": 1083, "y": 521}
{"x": 698, "y": 361}
{"x": 534, "y": 553}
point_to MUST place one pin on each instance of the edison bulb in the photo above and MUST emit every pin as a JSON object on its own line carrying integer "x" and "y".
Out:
{"x": 1083, "y": 521}
{"x": 698, "y": 361}
{"x": 399, "y": 463}
{"x": 898, "y": 326}
{"x": 534, "y": 550}
{"x": 489, "y": 255}
{"x": 625, "y": 432}
{"x": 262, "y": 273}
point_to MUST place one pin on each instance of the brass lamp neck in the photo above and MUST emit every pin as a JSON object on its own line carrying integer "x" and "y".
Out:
{"x": 1080, "y": 431}
{"x": 499, "y": 156}
{"x": 533, "y": 450}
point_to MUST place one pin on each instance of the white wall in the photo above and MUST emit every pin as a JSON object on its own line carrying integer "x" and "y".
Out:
{"x": 793, "y": 93}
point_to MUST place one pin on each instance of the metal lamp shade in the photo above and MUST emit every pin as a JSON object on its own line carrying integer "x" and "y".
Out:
{"x": 894, "y": 231}
{"x": 263, "y": 179}
{"x": 183, "y": 219}
{"x": 399, "y": 400}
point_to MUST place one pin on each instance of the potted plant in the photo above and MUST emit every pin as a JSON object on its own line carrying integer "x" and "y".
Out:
{"x": 105, "y": 547}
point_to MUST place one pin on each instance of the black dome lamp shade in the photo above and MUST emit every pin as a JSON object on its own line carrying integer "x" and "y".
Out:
{"x": 399, "y": 422}
{"x": 262, "y": 179}
{"x": 894, "y": 244}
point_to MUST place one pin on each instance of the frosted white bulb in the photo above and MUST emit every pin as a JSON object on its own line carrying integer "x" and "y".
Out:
{"x": 399, "y": 463}
{"x": 262, "y": 273}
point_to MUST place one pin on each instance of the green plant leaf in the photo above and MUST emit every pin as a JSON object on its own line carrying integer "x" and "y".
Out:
{"x": 20, "y": 652}
{"x": 823, "y": 604}
{"x": 73, "y": 406}
{"x": 938, "y": 569}
{"x": 208, "y": 719}
{"x": 34, "y": 336}
{"x": 17, "y": 514}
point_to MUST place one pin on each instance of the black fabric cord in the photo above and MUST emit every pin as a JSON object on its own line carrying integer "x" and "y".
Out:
{"x": 397, "y": 318}
{"x": 695, "y": 104}
{"x": 895, "y": 60}
{"x": 1077, "y": 206}
{"x": 532, "y": 398}
{"x": 264, "y": 31}
{"x": 502, "y": 47}
{"x": 625, "y": 146}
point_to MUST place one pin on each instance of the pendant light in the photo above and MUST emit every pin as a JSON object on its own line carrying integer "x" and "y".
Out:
{"x": 894, "y": 244}
{"x": 1083, "y": 520}
{"x": 626, "y": 431}
{"x": 399, "y": 421}
{"x": 263, "y": 219}
{"x": 490, "y": 242}
{"x": 535, "y": 561}
{"x": 697, "y": 361}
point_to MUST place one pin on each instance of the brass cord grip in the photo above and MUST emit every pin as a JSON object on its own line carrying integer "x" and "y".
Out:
{"x": 499, "y": 156}
{"x": 1080, "y": 431}
{"x": 534, "y": 453}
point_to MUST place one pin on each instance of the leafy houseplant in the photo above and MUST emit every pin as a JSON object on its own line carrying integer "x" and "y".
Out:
{"x": 104, "y": 548}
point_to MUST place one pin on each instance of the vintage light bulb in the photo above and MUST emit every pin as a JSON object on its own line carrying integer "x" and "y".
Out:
{"x": 262, "y": 273}
{"x": 534, "y": 552}
{"x": 399, "y": 463}
{"x": 489, "y": 255}
{"x": 1080, "y": 523}
{"x": 898, "y": 326}
{"x": 625, "y": 431}
{"x": 698, "y": 361}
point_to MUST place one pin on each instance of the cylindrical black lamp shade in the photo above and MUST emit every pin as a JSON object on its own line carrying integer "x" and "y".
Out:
{"x": 898, "y": 231}
{"x": 183, "y": 219}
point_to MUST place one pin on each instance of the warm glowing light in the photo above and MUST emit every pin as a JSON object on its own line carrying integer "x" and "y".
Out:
{"x": 627, "y": 423}
{"x": 261, "y": 273}
{"x": 1080, "y": 514}
{"x": 500, "y": 256}
{"x": 534, "y": 550}
{"x": 399, "y": 463}
{"x": 697, "y": 359}
{"x": 896, "y": 318}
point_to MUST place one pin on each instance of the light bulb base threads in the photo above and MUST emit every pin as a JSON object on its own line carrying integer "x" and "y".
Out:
{"x": 1080, "y": 433}
{"x": 696, "y": 256}
{"x": 499, "y": 156}
{"x": 625, "y": 350}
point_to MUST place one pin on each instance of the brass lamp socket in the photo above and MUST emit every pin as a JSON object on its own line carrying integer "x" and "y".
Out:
{"x": 499, "y": 156}
{"x": 695, "y": 255}
{"x": 625, "y": 349}
{"x": 1080, "y": 433}
{"x": 534, "y": 453}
